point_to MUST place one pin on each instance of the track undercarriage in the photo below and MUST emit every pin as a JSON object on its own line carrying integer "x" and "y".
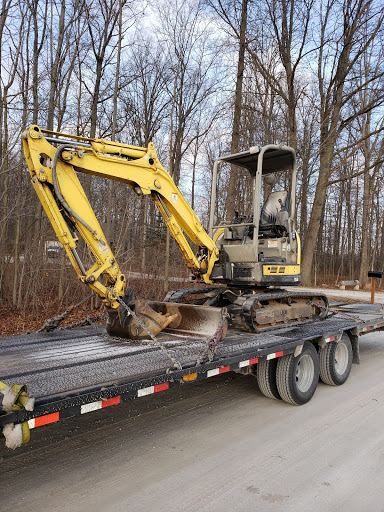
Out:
{"x": 257, "y": 310}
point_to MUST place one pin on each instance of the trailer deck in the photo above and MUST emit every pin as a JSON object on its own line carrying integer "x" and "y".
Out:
{"x": 72, "y": 372}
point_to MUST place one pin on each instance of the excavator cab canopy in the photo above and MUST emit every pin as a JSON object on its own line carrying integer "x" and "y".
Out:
{"x": 258, "y": 245}
{"x": 259, "y": 161}
{"x": 276, "y": 158}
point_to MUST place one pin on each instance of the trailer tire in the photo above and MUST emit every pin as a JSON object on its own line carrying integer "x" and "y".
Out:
{"x": 336, "y": 361}
{"x": 297, "y": 377}
{"x": 266, "y": 378}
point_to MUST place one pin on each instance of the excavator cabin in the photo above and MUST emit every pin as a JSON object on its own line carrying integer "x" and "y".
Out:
{"x": 260, "y": 247}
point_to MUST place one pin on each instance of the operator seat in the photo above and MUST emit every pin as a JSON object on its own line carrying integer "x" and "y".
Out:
{"x": 275, "y": 211}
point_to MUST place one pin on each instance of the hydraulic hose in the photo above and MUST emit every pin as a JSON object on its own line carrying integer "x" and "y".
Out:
{"x": 65, "y": 205}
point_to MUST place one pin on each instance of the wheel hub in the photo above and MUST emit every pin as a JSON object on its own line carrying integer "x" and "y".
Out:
{"x": 341, "y": 358}
{"x": 304, "y": 373}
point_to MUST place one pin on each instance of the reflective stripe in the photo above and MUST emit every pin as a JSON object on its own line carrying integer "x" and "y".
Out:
{"x": 275, "y": 354}
{"x": 100, "y": 404}
{"x": 153, "y": 389}
{"x": 43, "y": 420}
{"x": 248, "y": 362}
{"x": 217, "y": 371}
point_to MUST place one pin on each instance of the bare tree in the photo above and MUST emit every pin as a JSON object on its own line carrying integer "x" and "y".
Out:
{"x": 235, "y": 16}
{"x": 337, "y": 55}
{"x": 61, "y": 56}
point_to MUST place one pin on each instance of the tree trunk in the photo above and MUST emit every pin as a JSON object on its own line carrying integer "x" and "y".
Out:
{"x": 365, "y": 238}
{"x": 56, "y": 63}
{"x": 235, "y": 141}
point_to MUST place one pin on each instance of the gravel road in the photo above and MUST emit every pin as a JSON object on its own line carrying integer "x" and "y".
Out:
{"x": 216, "y": 445}
{"x": 354, "y": 295}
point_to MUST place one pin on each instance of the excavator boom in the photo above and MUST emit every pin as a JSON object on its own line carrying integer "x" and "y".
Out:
{"x": 54, "y": 160}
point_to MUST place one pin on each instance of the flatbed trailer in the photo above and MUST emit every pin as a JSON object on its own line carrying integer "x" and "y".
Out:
{"x": 73, "y": 372}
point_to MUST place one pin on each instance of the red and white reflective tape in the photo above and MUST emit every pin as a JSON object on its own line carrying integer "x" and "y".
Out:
{"x": 100, "y": 404}
{"x": 331, "y": 338}
{"x": 275, "y": 354}
{"x": 152, "y": 389}
{"x": 371, "y": 327}
{"x": 217, "y": 371}
{"x": 248, "y": 362}
{"x": 43, "y": 420}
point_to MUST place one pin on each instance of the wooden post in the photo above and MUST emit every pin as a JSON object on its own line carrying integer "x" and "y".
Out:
{"x": 374, "y": 275}
{"x": 373, "y": 286}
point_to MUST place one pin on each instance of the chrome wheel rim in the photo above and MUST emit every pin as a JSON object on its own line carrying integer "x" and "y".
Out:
{"x": 304, "y": 373}
{"x": 341, "y": 358}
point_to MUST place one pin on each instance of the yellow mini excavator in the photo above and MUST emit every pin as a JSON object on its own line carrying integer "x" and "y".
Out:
{"x": 248, "y": 257}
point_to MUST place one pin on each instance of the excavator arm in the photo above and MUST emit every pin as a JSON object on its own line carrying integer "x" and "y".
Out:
{"x": 54, "y": 160}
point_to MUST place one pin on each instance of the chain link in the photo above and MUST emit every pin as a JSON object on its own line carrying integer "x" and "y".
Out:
{"x": 346, "y": 315}
{"x": 210, "y": 343}
{"x": 161, "y": 346}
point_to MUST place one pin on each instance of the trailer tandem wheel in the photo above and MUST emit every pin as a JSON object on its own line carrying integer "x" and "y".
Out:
{"x": 336, "y": 361}
{"x": 297, "y": 377}
{"x": 266, "y": 378}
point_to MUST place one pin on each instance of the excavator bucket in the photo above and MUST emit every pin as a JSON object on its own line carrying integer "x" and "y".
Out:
{"x": 185, "y": 319}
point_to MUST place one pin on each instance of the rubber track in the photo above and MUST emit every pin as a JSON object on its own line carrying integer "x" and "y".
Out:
{"x": 243, "y": 306}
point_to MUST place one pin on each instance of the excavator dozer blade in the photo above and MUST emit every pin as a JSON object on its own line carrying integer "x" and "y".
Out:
{"x": 185, "y": 319}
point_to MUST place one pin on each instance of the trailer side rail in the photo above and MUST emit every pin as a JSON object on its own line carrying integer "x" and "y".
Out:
{"x": 54, "y": 408}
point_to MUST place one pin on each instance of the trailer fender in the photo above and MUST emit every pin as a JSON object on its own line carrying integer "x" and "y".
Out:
{"x": 355, "y": 347}
{"x": 327, "y": 338}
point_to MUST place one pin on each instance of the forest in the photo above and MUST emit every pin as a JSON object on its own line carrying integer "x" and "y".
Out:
{"x": 200, "y": 79}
